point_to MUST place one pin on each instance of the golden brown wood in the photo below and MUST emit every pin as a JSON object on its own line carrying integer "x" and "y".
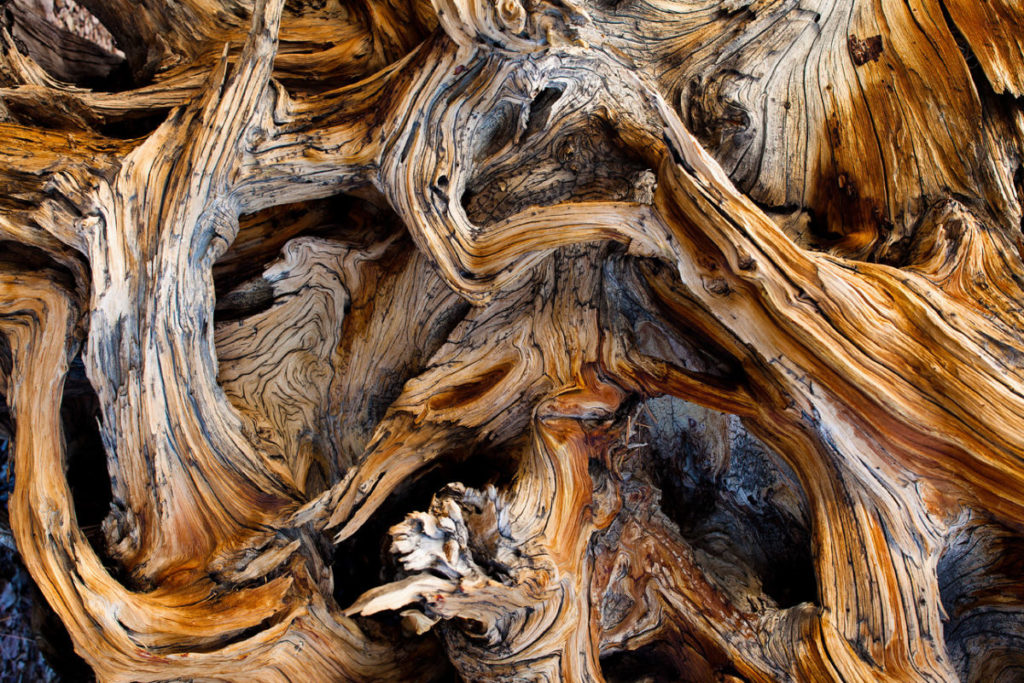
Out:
{"x": 639, "y": 340}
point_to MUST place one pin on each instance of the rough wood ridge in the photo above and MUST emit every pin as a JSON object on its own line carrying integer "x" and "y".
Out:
{"x": 565, "y": 340}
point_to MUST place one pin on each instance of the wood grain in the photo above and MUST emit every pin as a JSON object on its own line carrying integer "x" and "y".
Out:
{"x": 639, "y": 340}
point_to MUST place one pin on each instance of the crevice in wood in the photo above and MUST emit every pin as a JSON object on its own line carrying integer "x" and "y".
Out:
{"x": 133, "y": 127}
{"x": 30, "y": 627}
{"x": 86, "y": 457}
{"x": 724, "y": 489}
{"x": 518, "y": 151}
{"x": 262, "y": 234}
{"x": 979, "y": 582}
{"x": 64, "y": 55}
{"x": 650, "y": 663}
{"x": 364, "y": 561}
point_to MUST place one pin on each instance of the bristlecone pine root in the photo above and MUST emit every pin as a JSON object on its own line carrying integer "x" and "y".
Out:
{"x": 561, "y": 340}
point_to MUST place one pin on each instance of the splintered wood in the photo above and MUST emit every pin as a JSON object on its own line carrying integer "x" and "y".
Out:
{"x": 557, "y": 340}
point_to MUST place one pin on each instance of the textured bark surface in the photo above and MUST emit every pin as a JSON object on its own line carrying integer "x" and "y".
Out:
{"x": 551, "y": 340}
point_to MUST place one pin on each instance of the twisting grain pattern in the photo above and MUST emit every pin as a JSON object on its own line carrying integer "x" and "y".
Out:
{"x": 523, "y": 341}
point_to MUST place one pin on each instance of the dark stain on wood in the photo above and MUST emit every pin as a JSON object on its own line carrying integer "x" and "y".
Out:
{"x": 864, "y": 51}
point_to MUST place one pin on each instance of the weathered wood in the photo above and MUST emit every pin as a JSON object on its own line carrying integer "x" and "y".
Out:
{"x": 676, "y": 336}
